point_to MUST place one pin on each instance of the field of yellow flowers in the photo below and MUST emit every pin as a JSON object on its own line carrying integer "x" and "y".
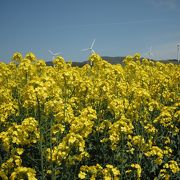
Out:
{"x": 100, "y": 121}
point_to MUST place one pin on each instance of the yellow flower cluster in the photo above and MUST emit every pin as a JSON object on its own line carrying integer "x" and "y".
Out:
{"x": 8, "y": 106}
{"x": 139, "y": 170}
{"x": 119, "y": 127}
{"x": 157, "y": 152}
{"x": 173, "y": 166}
{"x": 65, "y": 150}
{"x": 13, "y": 167}
{"x": 97, "y": 172}
{"x": 99, "y": 121}
{"x": 170, "y": 166}
{"x": 23, "y": 173}
{"x": 80, "y": 128}
{"x": 25, "y": 134}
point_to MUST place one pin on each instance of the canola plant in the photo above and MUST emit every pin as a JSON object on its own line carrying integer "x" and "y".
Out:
{"x": 100, "y": 121}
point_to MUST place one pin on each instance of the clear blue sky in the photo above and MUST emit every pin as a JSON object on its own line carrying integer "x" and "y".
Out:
{"x": 120, "y": 27}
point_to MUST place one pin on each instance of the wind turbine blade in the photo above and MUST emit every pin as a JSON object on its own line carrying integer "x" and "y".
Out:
{"x": 92, "y": 44}
{"x": 92, "y": 51}
{"x": 51, "y": 52}
{"x": 57, "y": 53}
{"x": 85, "y": 49}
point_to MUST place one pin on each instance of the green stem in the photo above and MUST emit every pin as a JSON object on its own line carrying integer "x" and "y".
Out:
{"x": 41, "y": 139}
{"x": 51, "y": 146}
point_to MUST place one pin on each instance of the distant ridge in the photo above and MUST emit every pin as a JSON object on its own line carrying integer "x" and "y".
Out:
{"x": 115, "y": 60}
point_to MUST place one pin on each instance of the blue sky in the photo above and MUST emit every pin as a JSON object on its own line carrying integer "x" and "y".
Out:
{"x": 120, "y": 27}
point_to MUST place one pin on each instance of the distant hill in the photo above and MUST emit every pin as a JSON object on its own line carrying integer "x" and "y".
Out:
{"x": 115, "y": 60}
{"x": 79, "y": 64}
{"x": 174, "y": 61}
{"x": 119, "y": 60}
{"x": 49, "y": 63}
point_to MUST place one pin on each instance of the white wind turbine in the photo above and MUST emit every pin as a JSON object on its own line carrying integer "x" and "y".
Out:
{"x": 90, "y": 48}
{"x": 150, "y": 54}
{"x": 178, "y": 46}
{"x": 54, "y": 54}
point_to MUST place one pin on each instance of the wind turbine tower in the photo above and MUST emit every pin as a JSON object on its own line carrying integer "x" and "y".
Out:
{"x": 178, "y": 46}
{"x": 150, "y": 53}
